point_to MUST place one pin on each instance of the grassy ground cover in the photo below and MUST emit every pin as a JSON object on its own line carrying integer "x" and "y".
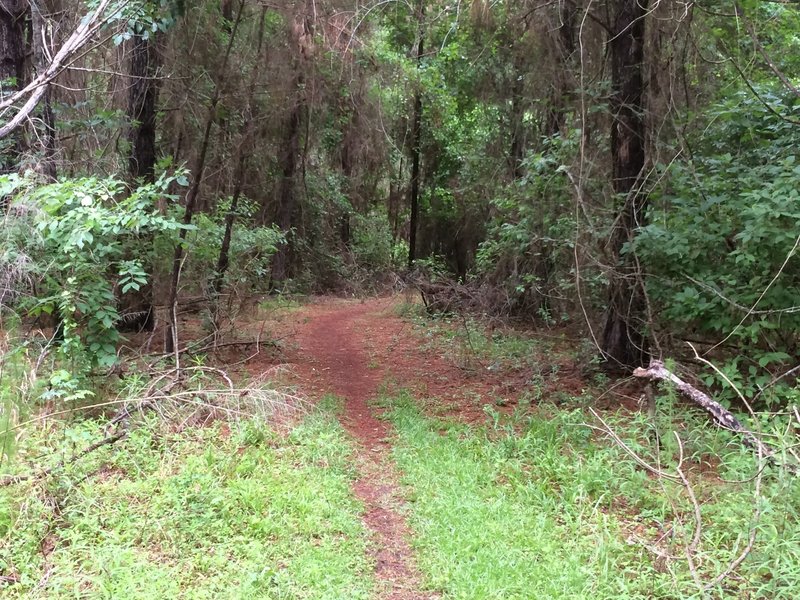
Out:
{"x": 533, "y": 504}
{"x": 226, "y": 511}
{"x": 542, "y": 507}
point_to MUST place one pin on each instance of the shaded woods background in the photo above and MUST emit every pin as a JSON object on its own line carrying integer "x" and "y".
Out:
{"x": 625, "y": 168}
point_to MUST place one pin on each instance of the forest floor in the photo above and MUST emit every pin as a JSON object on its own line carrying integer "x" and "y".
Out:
{"x": 354, "y": 350}
{"x": 421, "y": 459}
{"x": 342, "y": 347}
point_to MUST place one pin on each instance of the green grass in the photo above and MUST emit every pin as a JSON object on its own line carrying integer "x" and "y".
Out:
{"x": 203, "y": 513}
{"x": 470, "y": 344}
{"x": 544, "y": 508}
{"x": 532, "y": 505}
{"x": 280, "y": 302}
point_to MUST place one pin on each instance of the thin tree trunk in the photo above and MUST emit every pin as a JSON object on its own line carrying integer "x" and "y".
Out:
{"x": 241, "y": 163}
{"x": 171, "y": 331}
{"x": 286, "y": 189}
{"x": 136, "y": 307}
{"x": 12, "y": 60}
{"x": 416, "y": 145}
{"x": 142, "y": 99}
{"x": 565, "y": 44}
{"x": 349, "y": 186}
{"x": 624, "y": 344}
{"x": 517, "y": 150}
{"x": 224, "y": 252}
{"x": 301, "y": 36}
{"x": 395, "y": 202}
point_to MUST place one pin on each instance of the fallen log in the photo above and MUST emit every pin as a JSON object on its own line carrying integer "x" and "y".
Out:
{"x": 723, "y": 417}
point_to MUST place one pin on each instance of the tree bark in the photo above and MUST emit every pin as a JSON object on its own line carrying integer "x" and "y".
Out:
{"x": 301, "y": 38}
{"x": 623, "y": 342}
{"x": 286, "y": 189}
{"x": 656, "y": 371}
{"x": 416, "y": 144}
{"x": 137, "y": 306}
{"x": 142, "y": 100}
{"x": 12, "y": 61}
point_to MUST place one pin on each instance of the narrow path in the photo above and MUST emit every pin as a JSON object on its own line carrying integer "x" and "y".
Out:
{"x": 333, "y": 356}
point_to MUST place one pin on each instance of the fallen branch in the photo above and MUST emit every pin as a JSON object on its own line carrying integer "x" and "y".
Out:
{"x": 658, "y": 372}
{"x": 657, "y": 471}
{"x": 120, "y": 425}
{"x": 692, "y": 547}
{"x": 106, "y": 441}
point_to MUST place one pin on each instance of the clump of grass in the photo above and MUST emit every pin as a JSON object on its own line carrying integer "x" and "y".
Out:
{"x": 410, "y": 307}
{"x": 545, "y": 508}
{"x": 280, "y": 303}
{"x": 231, "y": 510}
{"x": 18, "y": 386}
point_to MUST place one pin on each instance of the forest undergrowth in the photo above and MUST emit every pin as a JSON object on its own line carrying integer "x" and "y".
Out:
{"x": 534, "y": 492}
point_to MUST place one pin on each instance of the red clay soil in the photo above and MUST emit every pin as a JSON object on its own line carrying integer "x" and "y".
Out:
{"x": 332, "y": 357}
{"x": 351, "y": 348}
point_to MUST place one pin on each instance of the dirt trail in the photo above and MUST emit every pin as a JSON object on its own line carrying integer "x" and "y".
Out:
{"x": 333, "y": 340}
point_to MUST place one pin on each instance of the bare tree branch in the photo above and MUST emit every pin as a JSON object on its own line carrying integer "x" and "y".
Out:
{"x": 34, "y": 91}
{"x": 658, "y": 372}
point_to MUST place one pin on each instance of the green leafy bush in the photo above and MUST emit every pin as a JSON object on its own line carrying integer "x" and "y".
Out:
{"x": 372, "y": 243}
{"x": 251, "y": 250}
{"x": 721, "y": 241}
{"x": 528, "y": 247}
{"x": 81, "y": 235}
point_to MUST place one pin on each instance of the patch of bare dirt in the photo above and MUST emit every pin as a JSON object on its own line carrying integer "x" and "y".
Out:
{"x": 331, "y": 356}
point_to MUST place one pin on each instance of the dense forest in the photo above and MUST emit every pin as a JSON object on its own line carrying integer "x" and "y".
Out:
{"x": 621, "y": 174}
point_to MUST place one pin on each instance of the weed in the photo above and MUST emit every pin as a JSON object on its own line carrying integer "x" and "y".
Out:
{"x": 280, "y": 302}
{"x": 472, "y": 345}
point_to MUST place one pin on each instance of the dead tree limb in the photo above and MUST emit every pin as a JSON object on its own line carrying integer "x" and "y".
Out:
{"x": 723, "y": 417}
{"x": 106, "y": 441}
{"x": 36, "y": 89}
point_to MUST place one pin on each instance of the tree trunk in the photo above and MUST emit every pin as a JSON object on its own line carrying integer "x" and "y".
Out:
{"x": 136, "y": 307}
{"x": 416, "y": 144}
{"x": 286, "y": 189}
{"x": 142, "y": 99}
{"x": 241, "y": 166}
{"x": 623, "y": 343}
{"x": 346, "y": 163}
{"x": 565, "y": 49}
{"x": 301, "y": 39}
{"x": 517, "y": 149}
{"x": 12, "y": 60}
{"x": 171, "y": 331}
